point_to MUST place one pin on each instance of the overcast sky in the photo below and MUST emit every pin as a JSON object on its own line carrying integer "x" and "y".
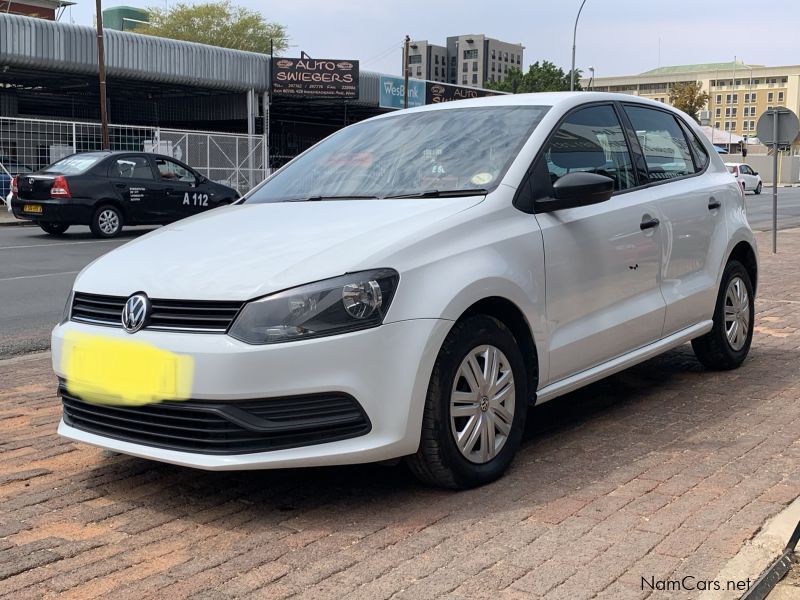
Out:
{"x": 617, "y": 37}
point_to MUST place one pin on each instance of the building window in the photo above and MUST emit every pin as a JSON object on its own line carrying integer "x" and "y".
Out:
{"x": 505, "y": 56}
{"x": 770, "y": 97}
{"x": 464, "y": 68}
{"x": 728, "y": 98}
{"x": 716, "y": 124}
{"x": 733, "y": 111}
{"x": 727, "y": 125}
{"x": 474, "y": 78}
{"x": 494, "y": 53}
{"x": 718, "y": 112}
{"x": 436, "y": 71}
{"x": 419, "y": 71}
{"x": 415, "y": 59}
{"x": 505, "y": 68}
{"x": 475, "y": 65}
{"x": 752, "y": 125}
{"x": 744, "y": 125}
{"x": 719, "y": 99}
{"x": 780, "y": 96}
{"x": 735, "y": 98}
{"x": 492, "y": 77}
{"x": 728, "y": 112}
{"x": 436, "y": 59}
{"x": 470, "y": 53}
{"x": 464, "y": 81}
{"x": 518, "y": 58}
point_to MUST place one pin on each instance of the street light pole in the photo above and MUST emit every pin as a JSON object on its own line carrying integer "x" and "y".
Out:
{"x": 405, "y": 71}
{"x": 101, "y": 63}
{"x": 574, "y": 36}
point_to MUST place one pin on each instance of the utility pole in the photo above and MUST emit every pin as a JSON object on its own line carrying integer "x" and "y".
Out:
{"x": 574, "y": 36}
{"x": 405, "y": 71}
{"x": 101, "y": 63}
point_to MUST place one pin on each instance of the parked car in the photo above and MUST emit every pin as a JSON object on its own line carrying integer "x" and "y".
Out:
{"x": 8, "y": 170}
{"x": 107, "y": 190}
{"x": 746, "y": 176}
{"x": 410, "y": 286}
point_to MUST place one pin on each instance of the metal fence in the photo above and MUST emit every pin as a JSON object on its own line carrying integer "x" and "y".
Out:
{"x": 233, "y": 159}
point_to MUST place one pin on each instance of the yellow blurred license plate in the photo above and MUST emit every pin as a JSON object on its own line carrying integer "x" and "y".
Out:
{"x": 32, "y": 208}
{"x": 124, "y": 372}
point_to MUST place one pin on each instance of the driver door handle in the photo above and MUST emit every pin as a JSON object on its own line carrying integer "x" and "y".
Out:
{"x": 649, "y": 223}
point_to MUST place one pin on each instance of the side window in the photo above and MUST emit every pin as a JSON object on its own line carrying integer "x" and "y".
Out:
{"x": 131, "y": 167}
{"x": 665, "y": 149}
{"x": 591, "y": 140}
{"x": 172, "y": 171}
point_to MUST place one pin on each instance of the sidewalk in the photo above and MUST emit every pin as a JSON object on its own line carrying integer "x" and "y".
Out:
{"x": 661, "y": 472}
{"x": 6, "y": 218}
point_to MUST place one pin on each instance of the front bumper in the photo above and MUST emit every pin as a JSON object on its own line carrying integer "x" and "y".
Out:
{"x": 386, "y": 369}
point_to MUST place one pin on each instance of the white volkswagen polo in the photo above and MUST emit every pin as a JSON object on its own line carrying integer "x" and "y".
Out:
{"x": 410, "y": 286}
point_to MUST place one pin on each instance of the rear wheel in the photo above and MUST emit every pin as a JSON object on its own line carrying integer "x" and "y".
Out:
{"x": 758, "y": 188}
{"x": 727, "y": 344}
{"x": 106, "y": 222}
{"x": 54, "y": 228}
{"x": 475, "y": 409}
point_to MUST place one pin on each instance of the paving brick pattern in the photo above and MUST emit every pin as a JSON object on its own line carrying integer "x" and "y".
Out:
{"x": 662, "y": 471}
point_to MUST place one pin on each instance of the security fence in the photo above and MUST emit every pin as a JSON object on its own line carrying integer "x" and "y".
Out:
{"x": 233, "y": 159}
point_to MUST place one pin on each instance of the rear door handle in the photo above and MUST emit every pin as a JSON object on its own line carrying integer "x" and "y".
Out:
{"x": 649, "y": 224}
{"x": 714, "y": 204}
{"x": 121, "y": 186}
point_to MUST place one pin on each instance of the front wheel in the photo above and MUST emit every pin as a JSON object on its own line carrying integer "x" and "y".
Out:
{"x": 727, "y": 344}
{"x": 54, "y": 228}
{"x": 106, "y": 222}
{"x": 475, "y": 408}
{"x": 758, "y": 188}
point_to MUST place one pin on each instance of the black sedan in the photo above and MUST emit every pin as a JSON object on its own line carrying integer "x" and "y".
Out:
{"x": 106, "y": 190}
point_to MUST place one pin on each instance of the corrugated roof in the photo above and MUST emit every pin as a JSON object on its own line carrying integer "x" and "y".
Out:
{"x": 699, "y": 68}
{"x": 47, "y": 45}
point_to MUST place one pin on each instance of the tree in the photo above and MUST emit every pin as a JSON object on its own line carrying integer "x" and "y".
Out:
{"x": 216, "y": 24}
{"x": 544, "y": 77}
{"x": 688, "y": 97}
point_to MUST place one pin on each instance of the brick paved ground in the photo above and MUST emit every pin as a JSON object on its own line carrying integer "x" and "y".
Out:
{"x": 661, "y": 471}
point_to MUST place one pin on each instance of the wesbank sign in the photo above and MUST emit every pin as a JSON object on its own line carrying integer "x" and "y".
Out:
{"x": 391, "y": 93}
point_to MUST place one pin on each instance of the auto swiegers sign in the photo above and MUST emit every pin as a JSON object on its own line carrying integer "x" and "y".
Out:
{"x": 315, "y": 78}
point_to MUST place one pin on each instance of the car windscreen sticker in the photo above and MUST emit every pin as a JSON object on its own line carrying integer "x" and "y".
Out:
{"x": 481, "y": 178}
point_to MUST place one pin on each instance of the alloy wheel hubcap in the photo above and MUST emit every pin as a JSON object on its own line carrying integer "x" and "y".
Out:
{"x": 482, "y": 404}
{"x": 108, "y": 221}
{"x": 737, "y": 313}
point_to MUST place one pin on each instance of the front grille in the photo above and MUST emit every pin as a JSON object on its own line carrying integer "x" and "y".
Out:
{"x": 224, "y": 427}
{"x": 205, "y": 316}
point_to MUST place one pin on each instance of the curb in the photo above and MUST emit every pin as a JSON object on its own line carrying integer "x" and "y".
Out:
{"x": 759, "y": 554}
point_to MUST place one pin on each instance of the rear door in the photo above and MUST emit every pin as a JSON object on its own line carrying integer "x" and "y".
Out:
{"x": 691, "y": 207}
{"x": 602, "y": 261}
{"x": 132, "y": 179}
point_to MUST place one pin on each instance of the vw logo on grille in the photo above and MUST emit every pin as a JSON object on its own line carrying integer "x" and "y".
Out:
{"x": 135, "y": 313}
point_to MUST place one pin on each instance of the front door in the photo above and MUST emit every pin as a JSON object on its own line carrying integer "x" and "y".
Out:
{"x": 180, "y": 189}
{"x": 601, "y": 261}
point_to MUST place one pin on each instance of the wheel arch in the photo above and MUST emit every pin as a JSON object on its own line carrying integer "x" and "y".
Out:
{"x": 120, "y": 206}
{"x": 510, "y": 315}
{"x": 746, "y": 254}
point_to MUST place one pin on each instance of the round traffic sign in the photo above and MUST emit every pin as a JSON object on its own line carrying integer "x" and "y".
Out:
{"x": 788, "y": 127}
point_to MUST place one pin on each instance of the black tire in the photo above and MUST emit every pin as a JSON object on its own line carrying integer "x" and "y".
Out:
{"x": 438, "y": 460}
{"x": 54, "y": 228}
{"x": 758, "y": 188}
{"x": 714, "y": 350}
{"x": 101, "y": 219}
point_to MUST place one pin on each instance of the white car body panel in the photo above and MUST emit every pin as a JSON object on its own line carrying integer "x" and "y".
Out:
{"x": 597, "y": 292}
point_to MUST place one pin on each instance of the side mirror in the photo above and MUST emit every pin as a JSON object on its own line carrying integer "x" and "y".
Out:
{"x": 755, "y": 172}
{"x": 578, "y": 189}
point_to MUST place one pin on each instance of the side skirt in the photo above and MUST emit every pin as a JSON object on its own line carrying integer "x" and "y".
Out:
{"x": 573, "y": 382}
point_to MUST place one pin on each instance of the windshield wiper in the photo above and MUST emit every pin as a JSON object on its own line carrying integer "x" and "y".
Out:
{"x": 319, "y": 198}
{"x": 444, "y": 193}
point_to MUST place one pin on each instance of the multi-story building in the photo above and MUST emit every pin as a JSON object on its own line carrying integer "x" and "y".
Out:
{"x": 738, "y": 93}
{"x": 471, "y": 60}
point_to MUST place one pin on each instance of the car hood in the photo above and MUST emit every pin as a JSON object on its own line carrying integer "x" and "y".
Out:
{"x": 245, "y": 251}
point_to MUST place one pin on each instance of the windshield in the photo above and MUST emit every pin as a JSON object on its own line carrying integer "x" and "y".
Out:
{"x": 75, "y": 164}
{"x": 425, "y": 153}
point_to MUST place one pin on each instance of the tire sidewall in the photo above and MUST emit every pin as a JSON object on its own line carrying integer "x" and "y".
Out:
{"x": 479, "y": 331}
{"x": 734, "y": 269}
{"x": 95, "y": 226}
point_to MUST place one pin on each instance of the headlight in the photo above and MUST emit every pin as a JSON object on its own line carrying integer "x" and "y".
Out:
{"x": 347, "y": 303}
{"x": 67, "y": 312}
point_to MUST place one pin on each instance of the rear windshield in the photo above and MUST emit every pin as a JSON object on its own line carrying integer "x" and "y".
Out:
{"x": 75, "y": 164}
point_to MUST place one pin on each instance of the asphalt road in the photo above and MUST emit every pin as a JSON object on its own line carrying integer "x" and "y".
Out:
{"x": 36, "y": 274}
{"x": 37, "y": 270}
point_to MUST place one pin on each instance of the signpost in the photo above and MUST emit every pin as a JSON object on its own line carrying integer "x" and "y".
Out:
{"x": 315, "y": 78}
{"x": 777, "y": 127}
{"x": 442, "y": 92}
